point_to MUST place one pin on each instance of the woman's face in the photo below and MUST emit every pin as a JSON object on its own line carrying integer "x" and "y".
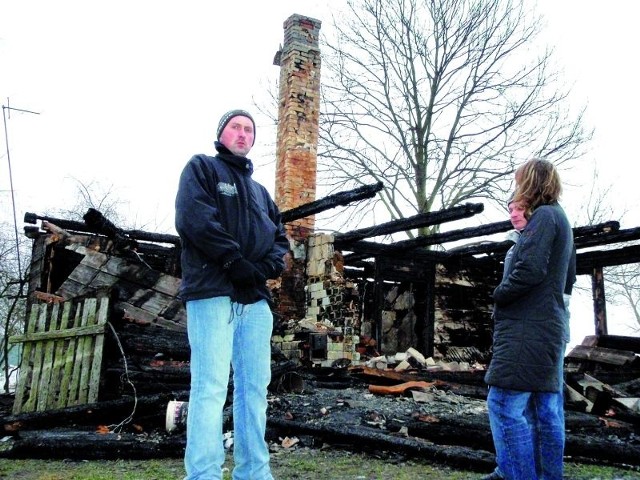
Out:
{"x": 517, "y": 215}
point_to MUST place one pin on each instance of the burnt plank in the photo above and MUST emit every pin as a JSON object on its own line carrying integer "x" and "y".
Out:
{"x": 331, "y": 201}
{"x": 91, "y": 445}
{"x": 366, "y": 438}
{"x": 602, "y": 355}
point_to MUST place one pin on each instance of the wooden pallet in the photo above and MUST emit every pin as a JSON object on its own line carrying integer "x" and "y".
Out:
{"x": 61, "y": 355}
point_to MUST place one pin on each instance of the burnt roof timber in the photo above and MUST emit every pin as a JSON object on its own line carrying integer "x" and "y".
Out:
{"x": 361, "y": 249}
{"x": 598, "y": 228}
{"x": 587, "y": 236}
{"x": 343, "y": 240}
{"x": 326, "y": 203}
{"x": 587, "y": 261}
{"x": 82, "y": 227}
{"x": 621, "y": 236}
{"x": 331, "y": 201}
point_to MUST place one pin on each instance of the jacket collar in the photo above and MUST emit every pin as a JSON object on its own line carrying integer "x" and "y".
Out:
{"x": 242, "y": 163}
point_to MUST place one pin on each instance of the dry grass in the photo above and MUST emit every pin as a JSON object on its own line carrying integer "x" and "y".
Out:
{"x": 295, "y": 464}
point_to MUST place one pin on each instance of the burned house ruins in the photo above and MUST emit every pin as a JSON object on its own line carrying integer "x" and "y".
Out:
{"x": 105, "y": 344}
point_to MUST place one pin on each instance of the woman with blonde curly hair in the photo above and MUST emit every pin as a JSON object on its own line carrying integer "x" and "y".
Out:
{"x": 525, "y": 389}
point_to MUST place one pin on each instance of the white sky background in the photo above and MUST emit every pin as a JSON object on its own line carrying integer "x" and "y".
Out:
{"x": 127, "y": 91}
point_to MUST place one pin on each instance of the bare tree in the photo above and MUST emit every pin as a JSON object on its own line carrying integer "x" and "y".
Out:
{"x": 12, "y": 299}
{"x": 623, "y": 288}
{"x": 93, "y": 194}
{"x": 597, "y": 205}
{"x": 439, "y": 100}
{"x": 622, "y": 282}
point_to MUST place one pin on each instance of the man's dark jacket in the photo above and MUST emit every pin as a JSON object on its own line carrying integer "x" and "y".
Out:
{"x": 222, "y": 214}
{"x": 529, "y": 312}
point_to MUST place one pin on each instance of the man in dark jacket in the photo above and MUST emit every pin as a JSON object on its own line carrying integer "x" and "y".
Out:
{"x": 232, "y": 242}
{"x": 530, "y": 331}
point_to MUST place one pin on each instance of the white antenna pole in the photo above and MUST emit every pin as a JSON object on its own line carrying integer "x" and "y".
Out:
{"x": 7, "y": 109}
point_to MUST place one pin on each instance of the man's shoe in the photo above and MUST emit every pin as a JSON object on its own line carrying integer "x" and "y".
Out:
{"x": 493, "y": 476}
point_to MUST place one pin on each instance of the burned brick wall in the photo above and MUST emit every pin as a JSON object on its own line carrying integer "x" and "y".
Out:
{"x": 332, "y": 301}
{"x": 330, "y": 298}
{"x": 330, "y": 328}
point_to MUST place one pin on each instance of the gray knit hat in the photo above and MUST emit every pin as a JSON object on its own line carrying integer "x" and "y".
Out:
{"x": 234, "y": 113}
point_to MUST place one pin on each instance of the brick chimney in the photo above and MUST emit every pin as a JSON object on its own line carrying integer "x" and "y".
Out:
{"x": 296, "y": 151}
{"x": 298, "y": 117}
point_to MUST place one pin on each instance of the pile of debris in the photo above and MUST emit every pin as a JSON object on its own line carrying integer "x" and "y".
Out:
{"x": 110, "y": 297}
{"x": 406, "y": 404}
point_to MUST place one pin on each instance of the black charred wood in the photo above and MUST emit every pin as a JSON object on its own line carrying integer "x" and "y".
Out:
{"x": 618, "y": 342}
{"x": 587, "y": 261}
{"x": 587, "y": 438}
{"x": 472, "y": 432}
{"x": 90, "y": 445}
{"x": 467, "y": 210}
{"x": 498, "y": 249}
{"x": 370, "y": 439}
{"x": 154, "y": 341}
{"x": 597, "y": 229}
{"x": 412, "y": 247}
{"x": 584, "y": 448}
{"x": 82, "y": 227}
{"x": 331, "y": 201}
{"x": 93, "y": 414}
{"x": 619, "y": 236}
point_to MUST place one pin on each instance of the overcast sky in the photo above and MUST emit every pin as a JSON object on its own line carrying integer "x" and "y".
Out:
{"x": 127, "y": 91}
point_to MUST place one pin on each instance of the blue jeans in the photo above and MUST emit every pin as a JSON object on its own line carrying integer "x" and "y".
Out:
{"x": 528, "y": 433}
{"x": 224, "y": 334}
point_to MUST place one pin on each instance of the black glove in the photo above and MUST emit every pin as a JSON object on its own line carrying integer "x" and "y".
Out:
{"x": 243, "y": 274}
{"x": 245, "y": 296}
{"x": 267, "y": 269}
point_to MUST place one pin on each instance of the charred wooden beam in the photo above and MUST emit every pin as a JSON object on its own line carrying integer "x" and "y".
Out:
{"x": 154, "y": 341}
{"x": 76, "y": 226}
{"x": 435, "y": 239}
{"x": 371, "y": 249}
{"x": 167, "y": 376}
{"x": 589, "y": 448}
{"x": 331, "y": 201}
{"x": 619, "y": 342}
{"x": 597, "y": 229}
{"x": 343, "y": 240}
{"x": 367, "y": 438}
{"x": 587, "y": 236}
{"x": 603, "y": 355}
{"x": 486, "y": 248}
{"x": 91, "y": 445}
{"x": 96, "y": 220}
{"x": 627, "y": 235}
{"x": 93, "y": 414}
{"x": 595, "y": 234}
{"x": 587, "y": 261}
{"x": 474, "y": 432}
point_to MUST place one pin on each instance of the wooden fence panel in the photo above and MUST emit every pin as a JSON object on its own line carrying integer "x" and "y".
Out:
{"x": 61, "y": 355}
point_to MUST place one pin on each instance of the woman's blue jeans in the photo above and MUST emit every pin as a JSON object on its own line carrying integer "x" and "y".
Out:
{"x": 528, "y": 433}
{"x": 224, "y": 334}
